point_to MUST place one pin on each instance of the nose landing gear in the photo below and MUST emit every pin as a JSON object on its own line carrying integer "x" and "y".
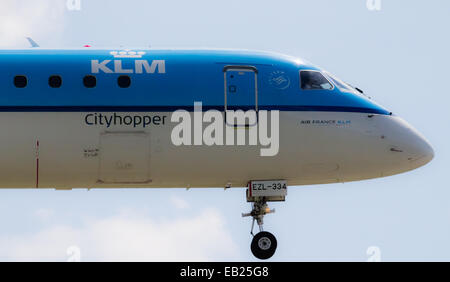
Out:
{"x": 264, "y": 244}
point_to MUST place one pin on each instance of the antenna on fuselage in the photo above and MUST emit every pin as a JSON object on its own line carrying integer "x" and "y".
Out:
{"x": 32, "y": 42}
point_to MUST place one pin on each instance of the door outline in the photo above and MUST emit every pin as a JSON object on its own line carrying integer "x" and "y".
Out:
{"x": 240, "y": 68}
{"x": 101, "y": 157}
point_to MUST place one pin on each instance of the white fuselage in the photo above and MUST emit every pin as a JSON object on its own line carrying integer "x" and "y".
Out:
{"x": 61, "y": 150}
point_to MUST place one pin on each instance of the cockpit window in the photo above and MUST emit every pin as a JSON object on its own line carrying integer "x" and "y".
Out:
{"x": 340, "y": 84}
{"x": 314, "y": 80}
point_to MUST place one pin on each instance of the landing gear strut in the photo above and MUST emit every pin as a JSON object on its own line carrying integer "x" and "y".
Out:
{"x": 264, "y": 244}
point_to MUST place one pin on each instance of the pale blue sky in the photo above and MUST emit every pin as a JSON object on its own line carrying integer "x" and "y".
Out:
{"x": 398, "y": 55}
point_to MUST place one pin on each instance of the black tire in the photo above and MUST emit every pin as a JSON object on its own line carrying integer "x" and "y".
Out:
{"x": 264, "y": 245}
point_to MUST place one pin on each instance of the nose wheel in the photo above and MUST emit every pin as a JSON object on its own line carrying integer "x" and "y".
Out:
{"x": 264, "y": 245}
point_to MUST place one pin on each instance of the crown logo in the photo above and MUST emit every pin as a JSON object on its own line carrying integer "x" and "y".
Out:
{"x": 127, "y": 54}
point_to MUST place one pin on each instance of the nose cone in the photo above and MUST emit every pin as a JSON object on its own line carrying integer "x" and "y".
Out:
{"x": 408, "y": 145}
{"x": 419, "y": 150}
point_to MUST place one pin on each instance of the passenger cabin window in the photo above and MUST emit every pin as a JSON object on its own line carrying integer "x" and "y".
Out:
{"x": 314, "y": 80}
{"x": 124, "y": 81}
{"x": 55, "y": 81}
{"x": 20, "y": 81}
{"x": 90, "y": 81}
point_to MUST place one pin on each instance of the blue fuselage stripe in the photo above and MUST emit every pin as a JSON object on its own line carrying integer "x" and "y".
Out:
{"x": 187, "y": 108}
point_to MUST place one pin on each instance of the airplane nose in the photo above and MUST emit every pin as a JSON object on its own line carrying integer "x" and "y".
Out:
{"x": 421, "y": 151}
{"x": 410, "y": 145}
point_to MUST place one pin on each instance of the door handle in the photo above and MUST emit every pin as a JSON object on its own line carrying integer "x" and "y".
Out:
{"x": 232, "y": 89}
